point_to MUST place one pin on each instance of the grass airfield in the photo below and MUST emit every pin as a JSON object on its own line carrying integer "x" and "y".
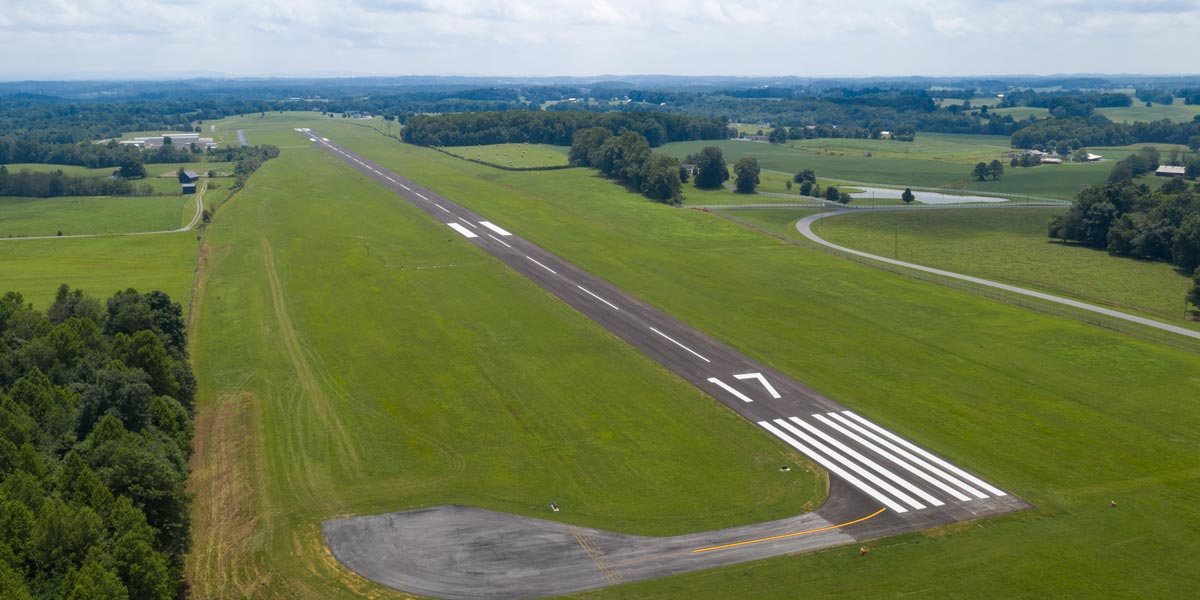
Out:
{"x": 1065, "y": 414}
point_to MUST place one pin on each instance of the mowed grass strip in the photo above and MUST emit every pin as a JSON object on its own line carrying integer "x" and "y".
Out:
{"x": 1010, "y": 245}
{"x": 1067, "y": 415}
{"x": 385, "y": 363}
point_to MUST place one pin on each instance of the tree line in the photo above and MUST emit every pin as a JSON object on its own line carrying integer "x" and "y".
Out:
{"x": 96, "y": 407}
{"x": 1128, "y": 219}
{"x": 628, "y": 159}
{"x": 30, "y": 184}
{"x": 556, "y": 128}
{"x": 1069, "y": 134}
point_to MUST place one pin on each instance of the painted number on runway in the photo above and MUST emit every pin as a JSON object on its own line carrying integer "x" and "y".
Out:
{"x": 761, "y": 379}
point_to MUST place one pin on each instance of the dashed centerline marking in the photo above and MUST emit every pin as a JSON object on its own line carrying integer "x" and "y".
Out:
{"x": 499, "y": 240}
{"x": 588, "y": 292}
{"x": 463, "y": 230}
{"x": 672, "y": 340}
{"x": 440, "y": 206}
{"x": 541, "y": 265}
{"x": 469, "y": 224}
{"x": 726, "y": 387}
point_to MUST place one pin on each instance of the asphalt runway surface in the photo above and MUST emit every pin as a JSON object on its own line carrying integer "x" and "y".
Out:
{"x": 880, "y": 483}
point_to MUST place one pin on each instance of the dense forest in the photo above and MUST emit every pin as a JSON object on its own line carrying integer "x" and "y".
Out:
{"x": 558, "y": 128}
{"x": 28, "y": 184}
{"x": 95, "y": 430}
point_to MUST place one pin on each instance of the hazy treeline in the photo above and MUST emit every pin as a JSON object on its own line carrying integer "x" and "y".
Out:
{"x": 29, "y": 184}
{"x": 557, "y": 128}
{"x": 1079, "y": 132}
{"x": 96, "y": 405}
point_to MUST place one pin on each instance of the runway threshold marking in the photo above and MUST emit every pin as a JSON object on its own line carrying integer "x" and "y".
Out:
{"x": 499, "y": 240}
{"x": 588, "y": 292}
{"x": 788, "y": 535}
{"x": 541, "y": 265}
{"x": 672, "y": 340}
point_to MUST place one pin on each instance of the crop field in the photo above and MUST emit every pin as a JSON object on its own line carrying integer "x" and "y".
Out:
{"x": 1178, "y": 112}
{"x": 1049, "y": 408}
{"x": 1051, "y": 181}
{"x": 367, "y": 360}
{"x": 518, "y": 156}
{"x": 29, "y": 217}
{"x": 99, "y": 266}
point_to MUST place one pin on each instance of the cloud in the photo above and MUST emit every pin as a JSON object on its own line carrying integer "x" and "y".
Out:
{"x": 518, "y": 37}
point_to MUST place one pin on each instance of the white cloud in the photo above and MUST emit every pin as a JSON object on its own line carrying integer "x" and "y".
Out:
{"x": 518, "y": 37}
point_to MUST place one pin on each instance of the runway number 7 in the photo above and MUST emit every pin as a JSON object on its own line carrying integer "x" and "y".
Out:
{"x": 763, "y": 380}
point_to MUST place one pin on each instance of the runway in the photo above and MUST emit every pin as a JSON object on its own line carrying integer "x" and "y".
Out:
{"x": 459, "y": 552}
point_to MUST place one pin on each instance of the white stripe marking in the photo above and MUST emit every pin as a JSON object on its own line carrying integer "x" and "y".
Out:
{"x": 672, "y": 340}
{"x": 405, "y": 187}
{"x": 588, "y": 292}
{"x": 833, "y": 468}
{"x": 917, "y": 461}
{"x": 469, "y": 224}
{"x": 440, "y": 206}
{"x": 887, "y": 487}
{"x": 324, "y": 139}
{"x": 494, "y": 227}
{"x": 463, "y": 230}
{"x": 541, "y": 265}
{"x": 729, "y": 389}
{"x": 852, "y": 453}
{"x": 766, "y": 384}
{"x": 499, "y": 240}
{"x": 961, "y": 473}
{"x": 420, "y": 195}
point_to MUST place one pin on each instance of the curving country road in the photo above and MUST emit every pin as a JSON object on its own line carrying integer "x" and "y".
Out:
{"x": 804, "y": 226}
{"x": 880, "y": 483}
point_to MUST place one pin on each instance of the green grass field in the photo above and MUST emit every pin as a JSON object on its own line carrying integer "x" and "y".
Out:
{"x": 66, "y": 169}
{"x": 376, "y": 363}
{"x": 29, "y": 217}
{"x": 307, "y": 414}
{"x": 1178, "y": 112}
{"x": 518, "y": 156}
{"x": 99, "y": 266}
{"x": 1010, "y": 245}
{"x": 936, "y": 161}
{"x": 1065, "y": 414}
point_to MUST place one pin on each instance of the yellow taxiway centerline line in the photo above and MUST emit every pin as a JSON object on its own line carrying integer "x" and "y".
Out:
{"x": 788, "y": 535}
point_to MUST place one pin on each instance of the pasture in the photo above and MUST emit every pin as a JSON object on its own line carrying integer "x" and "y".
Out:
{"x": 31, "y": 217}
{"x": 951, "y": 369}
{"x": 1177, "y": 111}
{"x": 941, "y": 161}
{"x": 99, "y": 266}
{"x": 514, "y": 156}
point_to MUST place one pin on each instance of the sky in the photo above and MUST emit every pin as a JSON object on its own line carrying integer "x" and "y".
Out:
{"x": 106, "y": 39}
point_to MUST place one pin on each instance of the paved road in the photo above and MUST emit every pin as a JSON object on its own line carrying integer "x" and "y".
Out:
{"x": 804, "y": 226}
{"x": 457, "y": 552}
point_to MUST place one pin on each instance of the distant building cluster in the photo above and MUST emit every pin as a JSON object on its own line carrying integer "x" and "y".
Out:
{"x": 178, "y": 140}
